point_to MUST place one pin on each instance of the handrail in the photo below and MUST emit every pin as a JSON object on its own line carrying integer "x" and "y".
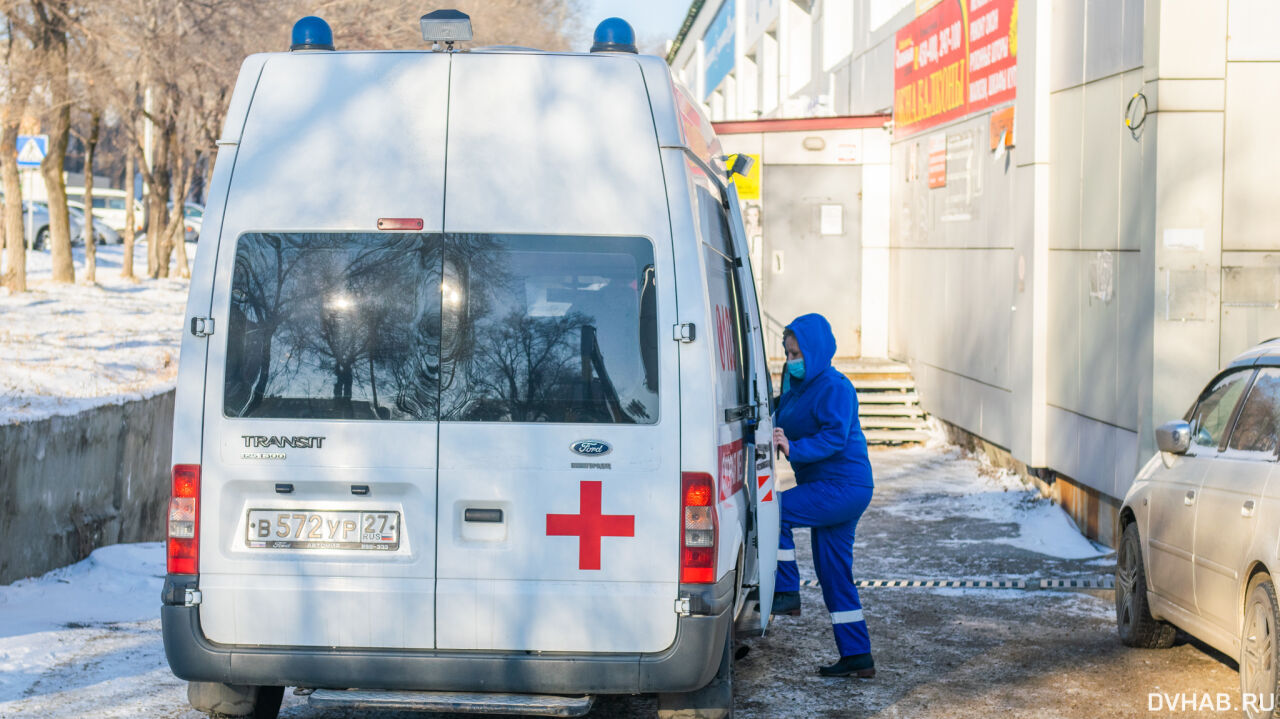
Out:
{"x": 773, "y": 332}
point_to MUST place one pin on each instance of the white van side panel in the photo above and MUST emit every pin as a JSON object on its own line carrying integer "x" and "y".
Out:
{"x": 331, "y": 142}
{"x": 560, "y": 145}
{"x": 700, "y": 437}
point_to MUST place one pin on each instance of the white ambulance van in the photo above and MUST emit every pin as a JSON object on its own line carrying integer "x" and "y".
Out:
{"x": 472, "y": 405}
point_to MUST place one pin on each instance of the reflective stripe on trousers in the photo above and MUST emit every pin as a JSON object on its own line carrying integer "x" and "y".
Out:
{"x": 832, "y": 509}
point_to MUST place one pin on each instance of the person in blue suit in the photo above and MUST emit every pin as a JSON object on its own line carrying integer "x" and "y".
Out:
{"x": 816, "y": 427}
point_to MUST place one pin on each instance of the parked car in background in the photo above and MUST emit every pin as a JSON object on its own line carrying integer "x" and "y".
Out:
{"x": 109, "y": 206}
{"x": 1198, "y": 543}
{"x": 193, "y": 218}
{"x": 102, "y": 232}
{"x": 35, "y": 225}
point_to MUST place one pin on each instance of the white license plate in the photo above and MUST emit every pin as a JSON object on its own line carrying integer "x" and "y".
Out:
{"x": 322, "y": 529}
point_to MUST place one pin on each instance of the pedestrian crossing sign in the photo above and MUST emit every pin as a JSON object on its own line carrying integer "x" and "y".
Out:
{"x": 32, "y": 149}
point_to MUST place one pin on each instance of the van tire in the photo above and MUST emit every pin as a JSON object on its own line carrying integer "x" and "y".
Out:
{"x": 235, "y": 700}
{"x": 714, "y": 701}
{"x": 1134, "y": 623}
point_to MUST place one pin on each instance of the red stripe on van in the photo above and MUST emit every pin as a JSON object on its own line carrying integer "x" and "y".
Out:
{"x": 732, "y": 468}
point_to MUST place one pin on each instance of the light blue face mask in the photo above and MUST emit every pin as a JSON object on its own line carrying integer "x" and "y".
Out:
{"x": 795, "y": 368}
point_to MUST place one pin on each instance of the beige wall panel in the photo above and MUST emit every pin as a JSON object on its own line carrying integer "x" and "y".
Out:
{"x": 1100, "y": 184}
{"x": 1252, "y": 163}
{"x": 1068, "y": 28}
{"x": 1063, "y": 367}
{"x": 1136, "y": 198}
{"x": 1253, "y": 27}
{"x": 1066, "y": 113}
{"x": 1193, "y": 38}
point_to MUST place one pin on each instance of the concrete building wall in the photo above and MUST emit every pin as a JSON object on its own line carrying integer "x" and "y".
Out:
{"x": 1062, "y": 297}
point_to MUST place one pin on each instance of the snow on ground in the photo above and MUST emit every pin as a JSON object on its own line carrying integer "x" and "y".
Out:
{"x": 65, "y": 635}
{"x": 962, "y": 485}
{"x": 85, "y": 640}
{"x": 68, "y": 348}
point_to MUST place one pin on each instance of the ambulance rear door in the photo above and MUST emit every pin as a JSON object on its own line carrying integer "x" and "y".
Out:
{"x": 760, "y": 454}
{"x": 560, "y": 429}
{"x": 317, "y": 522}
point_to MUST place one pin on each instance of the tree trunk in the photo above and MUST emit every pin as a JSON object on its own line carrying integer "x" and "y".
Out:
{"x": 178, "y": 221}
{"x": 15, "y": 266}
{"x": 54, "y": 45}
{"x": 15, "y": 275}
{"x": 157, "y": 199}
{"x": 90, "y": 246}
{"x": 126, "y": 262}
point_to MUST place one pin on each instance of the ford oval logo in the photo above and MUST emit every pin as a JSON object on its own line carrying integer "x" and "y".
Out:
{"x": 591, "y": 447}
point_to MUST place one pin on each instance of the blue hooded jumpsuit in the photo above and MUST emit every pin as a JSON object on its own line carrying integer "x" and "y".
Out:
{"x": 819, "y": 415}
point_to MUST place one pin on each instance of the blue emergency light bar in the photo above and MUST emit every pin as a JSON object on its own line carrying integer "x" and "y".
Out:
{"x": 311, "y": 33}
{"x": 614, "y": 35}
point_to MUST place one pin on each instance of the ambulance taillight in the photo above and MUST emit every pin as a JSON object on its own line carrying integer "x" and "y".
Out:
{"x": 698, "y": 547}
{"x": 184, "y": 520}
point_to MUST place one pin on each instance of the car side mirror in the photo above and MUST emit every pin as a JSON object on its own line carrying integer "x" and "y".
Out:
{"x": 1174, "y": 437}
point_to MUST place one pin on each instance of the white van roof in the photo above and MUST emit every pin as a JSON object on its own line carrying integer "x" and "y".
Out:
{"x": 515, "y": 126}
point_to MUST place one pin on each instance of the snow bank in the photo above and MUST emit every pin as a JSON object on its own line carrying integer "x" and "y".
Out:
{"x": 68, "y": 348}
{"x": 47, "y": 622}
{"x": 959, "y": 485}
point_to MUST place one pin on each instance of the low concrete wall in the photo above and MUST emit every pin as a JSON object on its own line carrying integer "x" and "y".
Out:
{"x": 69, "y": 485}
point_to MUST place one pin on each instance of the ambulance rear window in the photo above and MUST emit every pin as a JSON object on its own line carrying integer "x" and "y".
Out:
{"x": 335, "y": 326}
{"x": 549, "y": 329}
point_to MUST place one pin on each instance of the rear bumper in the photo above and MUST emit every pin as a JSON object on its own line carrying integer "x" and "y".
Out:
{"x": 689, "y": 663}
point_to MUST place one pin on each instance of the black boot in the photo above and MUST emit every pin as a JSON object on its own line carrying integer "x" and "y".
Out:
{"x": 858, "y": 665}
{"x": 787, "y": 603}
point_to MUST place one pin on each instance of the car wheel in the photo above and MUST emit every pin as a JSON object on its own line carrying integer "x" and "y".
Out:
{"x": 1259, "y": 650}
{"x": 235, "y": 700}
{"x": 42, "y": 239}
{"x": 1136, "y": 626}
{"x": 714, "y": 701}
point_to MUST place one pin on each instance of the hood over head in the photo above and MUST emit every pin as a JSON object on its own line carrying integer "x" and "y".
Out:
{"x": 816, "y": 341}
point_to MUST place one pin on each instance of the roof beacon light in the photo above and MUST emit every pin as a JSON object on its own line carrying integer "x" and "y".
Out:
{"x": 311, "y": 33}
{"x": 614, "y": 35}
{"x": 446, "y": 26}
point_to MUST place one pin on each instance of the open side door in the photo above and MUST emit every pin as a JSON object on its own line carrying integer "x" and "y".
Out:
{"x": 765, "y": 500}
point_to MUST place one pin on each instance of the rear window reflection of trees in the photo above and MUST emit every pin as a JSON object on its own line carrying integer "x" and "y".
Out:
{"x": 468, "y": 327}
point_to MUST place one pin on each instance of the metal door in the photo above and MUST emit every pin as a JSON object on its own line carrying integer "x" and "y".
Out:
{"x": 812, "y": 218}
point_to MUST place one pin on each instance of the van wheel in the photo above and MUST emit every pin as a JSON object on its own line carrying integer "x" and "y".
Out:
{"x": 1259, "y": 649}
{"x": 1136, "y": 626}
{"x": 714, "y": 701}
{"x": 235, "y": 700}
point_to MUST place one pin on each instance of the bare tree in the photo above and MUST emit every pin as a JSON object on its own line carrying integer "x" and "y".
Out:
{"x": 50, "y": 31}
{"x": 19, "y": 77}
{"x": 126, "y": 263}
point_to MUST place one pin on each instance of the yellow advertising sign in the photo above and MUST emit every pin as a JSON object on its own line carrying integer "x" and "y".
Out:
{"x": 748, "y": 185}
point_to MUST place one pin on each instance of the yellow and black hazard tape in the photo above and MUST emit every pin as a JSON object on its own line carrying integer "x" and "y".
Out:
{"x": 1099, "y": 582}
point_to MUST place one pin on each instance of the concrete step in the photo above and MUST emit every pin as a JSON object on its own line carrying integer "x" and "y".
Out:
{"x": 892, "y": 422}
{"x": 906, "y": 398}
{"x": 896, "y": 436}
{"x": 901, "y": 384}
{"x": 889, "y": 410}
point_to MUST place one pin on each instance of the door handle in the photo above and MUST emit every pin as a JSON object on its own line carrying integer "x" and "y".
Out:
{"x": 1190, "y": 499}
{"x": 475, "y": 514}
{"x": 1247, "y": 509}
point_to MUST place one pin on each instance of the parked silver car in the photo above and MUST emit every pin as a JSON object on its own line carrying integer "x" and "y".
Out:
{"x": 1198, "y": 545}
